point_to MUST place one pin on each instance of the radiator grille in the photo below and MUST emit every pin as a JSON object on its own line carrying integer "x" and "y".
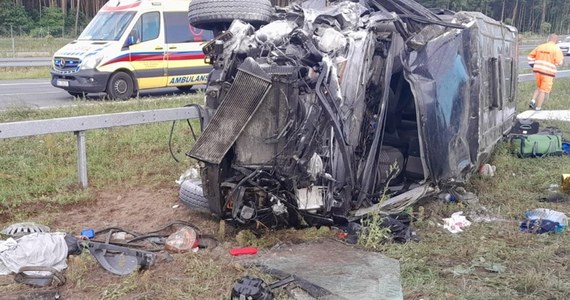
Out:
{"x": 240, "y": 103}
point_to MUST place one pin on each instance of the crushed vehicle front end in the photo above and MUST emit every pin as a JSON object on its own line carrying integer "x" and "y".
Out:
{"x": 329, "y": 113}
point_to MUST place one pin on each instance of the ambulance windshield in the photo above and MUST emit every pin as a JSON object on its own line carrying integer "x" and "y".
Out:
{"x": 107, "y": 26}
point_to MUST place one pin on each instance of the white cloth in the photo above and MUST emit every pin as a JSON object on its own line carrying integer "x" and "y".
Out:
{"x": 32, "y": 250}
{"x": 456, "y": 223}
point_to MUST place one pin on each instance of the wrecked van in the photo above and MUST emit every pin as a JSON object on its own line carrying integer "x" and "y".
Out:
{"x": 321, "y": 114}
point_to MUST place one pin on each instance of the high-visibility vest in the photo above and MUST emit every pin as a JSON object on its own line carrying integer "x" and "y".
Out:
{"x": 545, "y": 58}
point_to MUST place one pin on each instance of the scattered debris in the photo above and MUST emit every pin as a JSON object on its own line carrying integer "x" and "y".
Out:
{"x": 121, "y": 235}
{"x": 243, "y": 251}
{"x": 496, "y": 268}
{"x": 554, "y": 197}
{"x": 191, "y": 173}
{"x": 181, "y": 241}
{"x": 20, "y": 229}
{"x": 566, "y": 147}
{"x": 39, "y": 258}
{"x": 56, "y": 278}
{"x": 447, "y": 197}
{"x": 463, "y": 196}
{"x": 543, "y": 220}
{"x": 487, "y": 170}
{"x": 481, "y": 214}
{"x": 36, "y": 295}
{"x": 490, "y": 266}
{"x": 87, "y": 233}
{"x": 40, "y": 249}
{"x": 395, "y": 228}
{"x": 456, "y": 223}
{"x": 480, "y": 262}
{"x": 460, "y": 270}
{"x": 565, "y": 182}
{"x": 292, "y": 282}
{"x": 525, "y": 126}
{"x": 119, "y": 260}
{"x": 328, "y": 267}
{"x": 252, "y": 288}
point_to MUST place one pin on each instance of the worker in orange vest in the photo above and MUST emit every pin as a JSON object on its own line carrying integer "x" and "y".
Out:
{"x": 544, "y": 59}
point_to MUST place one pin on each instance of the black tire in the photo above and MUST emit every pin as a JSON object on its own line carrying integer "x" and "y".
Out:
{"x": 77, "y": 94}
{"x": 120, "y": 86}
{"x": 219, "y": 14}
{"x": 192, "y": 196}
{"x": 185, "y": 88}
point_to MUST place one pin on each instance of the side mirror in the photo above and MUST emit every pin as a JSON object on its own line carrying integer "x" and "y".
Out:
{"x": 131, "y": 40}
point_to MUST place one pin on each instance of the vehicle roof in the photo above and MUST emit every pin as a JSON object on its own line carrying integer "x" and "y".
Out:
{"x": 136, "y": 5}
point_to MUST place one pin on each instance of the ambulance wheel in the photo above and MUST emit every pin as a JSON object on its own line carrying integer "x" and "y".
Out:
{"x": 219, "y": 14}
{"x": 120, "y": 86}
{"x": 185, "y": 88}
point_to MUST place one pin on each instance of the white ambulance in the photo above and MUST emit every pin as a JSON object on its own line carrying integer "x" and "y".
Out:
{"x": 133, "y": 45}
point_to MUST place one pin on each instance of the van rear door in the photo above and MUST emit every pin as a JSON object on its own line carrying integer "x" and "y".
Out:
{"x": 185, "y": 59}
{"x": 148, "y": 53}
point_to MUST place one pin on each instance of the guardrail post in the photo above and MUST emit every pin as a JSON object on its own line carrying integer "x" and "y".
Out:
{"x": 81, "y": 158}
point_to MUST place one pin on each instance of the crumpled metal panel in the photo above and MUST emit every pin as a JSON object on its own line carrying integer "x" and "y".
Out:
{"x": 460, "y": 119}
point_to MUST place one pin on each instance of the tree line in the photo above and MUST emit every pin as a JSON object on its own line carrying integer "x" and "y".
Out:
{"x": 534, "y": 16}
{"x": 66, "y": 17}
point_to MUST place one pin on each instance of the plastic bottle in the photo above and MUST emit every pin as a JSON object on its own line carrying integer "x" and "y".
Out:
{"x": 550, "y": 215}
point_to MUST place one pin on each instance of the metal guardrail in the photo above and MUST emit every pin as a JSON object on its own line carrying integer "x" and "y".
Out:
{"x": 79, "y": 125}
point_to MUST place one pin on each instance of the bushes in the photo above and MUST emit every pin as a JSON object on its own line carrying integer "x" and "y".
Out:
{"x": 14, "y": 16}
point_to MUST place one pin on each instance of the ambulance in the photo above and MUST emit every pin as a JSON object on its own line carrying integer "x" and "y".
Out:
{"x": 133, "y": 45}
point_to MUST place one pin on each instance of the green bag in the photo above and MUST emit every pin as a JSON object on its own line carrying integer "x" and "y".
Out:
{"x": 537, "y": 145}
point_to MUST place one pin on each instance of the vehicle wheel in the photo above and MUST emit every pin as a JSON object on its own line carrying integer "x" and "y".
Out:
{"x": 184, "y": 88}
{"x": 120, "y": 86}
{"x": 77, "y": 95}
{"x": 213, "y": 14}
{"x": 192, "y": 196}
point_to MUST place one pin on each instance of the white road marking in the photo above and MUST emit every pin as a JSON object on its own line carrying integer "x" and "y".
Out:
{"x": 36, "y": 93}
{"x": 24, "y": 83}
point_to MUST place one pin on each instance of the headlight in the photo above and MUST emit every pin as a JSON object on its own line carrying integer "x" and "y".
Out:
{"x": 91, "y": 62}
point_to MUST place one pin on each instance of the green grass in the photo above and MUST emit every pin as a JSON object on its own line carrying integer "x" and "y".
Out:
{"x": 7, "y": 73}
{"x": 28, "y": 46}
{"x": 558, "y": 97}
{"x": 44, "y": 168}
{"x": 491, "y": 260}
{"x": 448, "y": 266}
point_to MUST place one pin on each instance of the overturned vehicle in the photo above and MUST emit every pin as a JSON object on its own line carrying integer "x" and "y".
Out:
{"x": 320, "y": 114}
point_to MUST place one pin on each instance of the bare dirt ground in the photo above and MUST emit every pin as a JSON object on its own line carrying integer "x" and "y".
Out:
{"x": 139, "y": 211}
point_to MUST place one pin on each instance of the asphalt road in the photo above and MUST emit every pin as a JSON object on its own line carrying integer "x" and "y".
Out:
{"x": 40, "y": 93}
